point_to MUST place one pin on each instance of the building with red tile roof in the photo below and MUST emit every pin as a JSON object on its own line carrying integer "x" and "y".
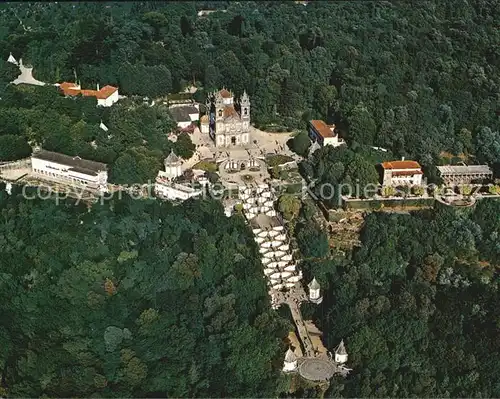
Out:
{"x": 324, "y": 134}
{"x": 401, "y": 173}
{"x": 105, "y": 96}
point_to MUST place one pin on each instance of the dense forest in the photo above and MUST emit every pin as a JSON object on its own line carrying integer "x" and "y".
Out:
{"x": 147, "y": 299}
{"x": 133, "y": 299}
{"x": 419, "y": 78}
{"x": 417, "y": 303}
{"x": 143, "y": 298}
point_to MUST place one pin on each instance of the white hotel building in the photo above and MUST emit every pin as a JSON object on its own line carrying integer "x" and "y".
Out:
{"x": 73, "y": 170}
{"x": 401, "y": 173}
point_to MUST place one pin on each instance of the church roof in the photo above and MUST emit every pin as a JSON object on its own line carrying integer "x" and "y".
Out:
{"x": 172, "y": 158}
{"x": 229, "y": 112}
{"x": 290, "y": 356}
{"x": 341, "y": 349}
{"x": 225, "y": 93}
{"x": 314, "y": 285}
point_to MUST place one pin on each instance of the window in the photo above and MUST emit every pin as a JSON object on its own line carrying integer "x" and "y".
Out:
{"x": 220, "y": 112}
{"x": 245, "y": 111}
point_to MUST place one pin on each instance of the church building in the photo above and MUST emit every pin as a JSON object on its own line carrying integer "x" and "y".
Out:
{"x": 229, "y": 120}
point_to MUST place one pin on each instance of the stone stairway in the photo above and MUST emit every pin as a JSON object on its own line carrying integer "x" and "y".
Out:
{"x": 284, "y": 278}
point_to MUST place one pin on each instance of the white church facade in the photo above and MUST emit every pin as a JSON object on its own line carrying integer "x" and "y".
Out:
{"x": 227, "y": 121}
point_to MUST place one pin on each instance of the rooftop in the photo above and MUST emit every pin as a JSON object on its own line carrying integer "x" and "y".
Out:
{"x": 322, "y": 128}
{"x": 72, "y": 89}
{"x": 76, "y": 163}
{"x": 172, "y": 158}
{"x": 105, "y": 92}
{"x": 464, "y": 169}
{"x": 180, "y": 97}
{"x": 341, "y": 349}
{"x": 225, "y": 93}
{"x": 229, "y": 111}
{"x": 181, "y": 114}
{"x": 314, "y": 285}
{"x": 290, "y": 356}
{"x": 401, "y": 165}
{"x": 68, "y": 85}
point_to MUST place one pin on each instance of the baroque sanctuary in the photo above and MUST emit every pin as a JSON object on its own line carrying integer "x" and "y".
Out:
{"x": 227, "y": 120}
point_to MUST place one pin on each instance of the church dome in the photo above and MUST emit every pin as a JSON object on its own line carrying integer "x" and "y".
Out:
{"x": 172, "y": 159}
{"x": 225, "y": 93}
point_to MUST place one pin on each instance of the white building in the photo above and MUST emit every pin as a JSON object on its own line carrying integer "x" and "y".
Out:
{"x": 172, "y": 167}
{"x": 165, "y": 185}
{"x": 324, "y": 134}
{"x": 401, "y": 173}
{"x": 205, "y": 124}
{"x": 106, "y": 96}
{"x": 464, "y": 174}
{"x": 229, "y": 119}
{"x": 74, "y": 170}
{"x": 175, "y": 191}
{"x": 315, "y": 292}
{"x": 341, "y": 353}
{"x": 290, "y": 363}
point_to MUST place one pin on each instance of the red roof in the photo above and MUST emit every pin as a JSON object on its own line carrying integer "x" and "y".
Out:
{"x": 106, "y": 91}
{"x": 68, "y": 85}
{"x": 230, "y": 111}
{"x": 187, "y": 129}
{"x": 225, "y": 93}
{"x": 401, "y": 165}
{"x": 71, "y": 89}
{"x": 322, "y": 128}
{"x": 407, "y": 173}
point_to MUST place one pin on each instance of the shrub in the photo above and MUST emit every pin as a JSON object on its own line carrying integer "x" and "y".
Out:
{"x": 494, "y": 189}
{"x": 388, "y": 191}
{"x": 417, "y": 190}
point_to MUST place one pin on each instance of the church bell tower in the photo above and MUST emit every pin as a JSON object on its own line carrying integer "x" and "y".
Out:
{"x": 245, "y": 106}
{"x": 219, "y": 107}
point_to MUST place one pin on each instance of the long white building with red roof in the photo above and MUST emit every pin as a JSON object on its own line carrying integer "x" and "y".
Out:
{"x": 106, "y": 96}
{"x": 401, "y": 173}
